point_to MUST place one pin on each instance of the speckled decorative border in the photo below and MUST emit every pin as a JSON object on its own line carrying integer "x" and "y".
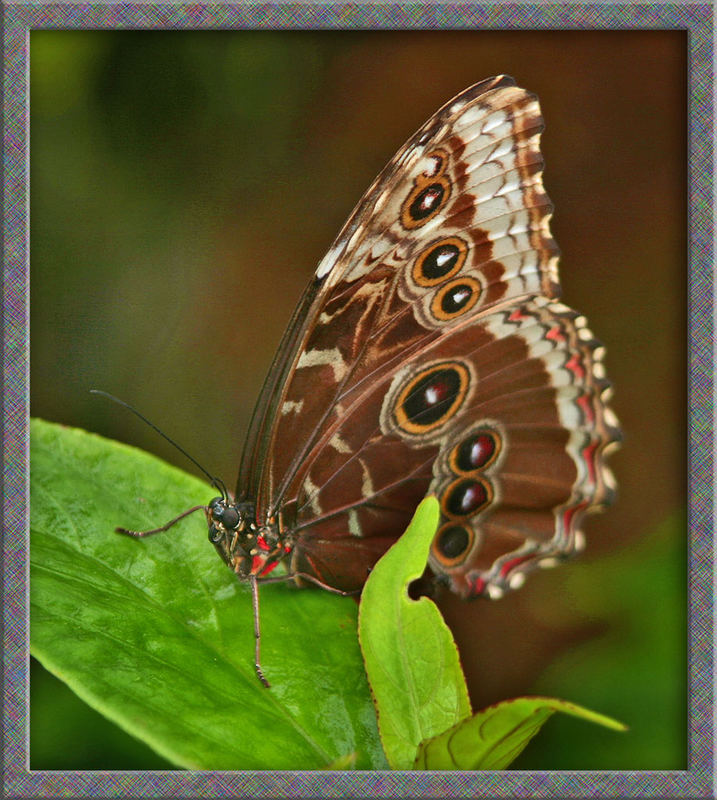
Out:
{"x": 19, "y": 19}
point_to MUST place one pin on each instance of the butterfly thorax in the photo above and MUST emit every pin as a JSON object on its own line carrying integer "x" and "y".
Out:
{"x": 248, "y": 548}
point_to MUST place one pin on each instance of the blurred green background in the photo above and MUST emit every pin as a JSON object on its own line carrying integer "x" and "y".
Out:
{"x": 184, "y": 187}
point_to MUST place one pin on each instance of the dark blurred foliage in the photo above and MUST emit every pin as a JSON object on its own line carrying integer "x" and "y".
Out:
{"x": 185, "y": 185}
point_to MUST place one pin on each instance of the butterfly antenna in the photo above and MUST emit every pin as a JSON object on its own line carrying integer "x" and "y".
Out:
{"x": 216, "y": 482}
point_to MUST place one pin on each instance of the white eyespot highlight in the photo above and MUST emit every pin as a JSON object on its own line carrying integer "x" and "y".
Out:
{"x": 579, "y": 541}
{"x": 517, "y": 580}
{"x": 433, "y": 164}
{"x": 432, "y": 396}
{"x": 442, "y": 258}
{"x": 495, "y": 592}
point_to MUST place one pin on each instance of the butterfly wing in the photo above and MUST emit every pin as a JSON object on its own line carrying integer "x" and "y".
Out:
{"x": 487, "y": 143}
{"x": 453, "y": 232}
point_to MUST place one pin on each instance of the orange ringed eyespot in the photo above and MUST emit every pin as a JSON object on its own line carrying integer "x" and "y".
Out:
{"x": 432, "y": 397}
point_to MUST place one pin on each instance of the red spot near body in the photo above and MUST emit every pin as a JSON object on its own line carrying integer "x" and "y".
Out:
{"x": 512, "y": 564}
{"x": 478, "y": 586}
{"x": 287, "y": 548}
{"x": 261, "y": 543}
{"x": 555, "y": 334}
{"x": 516, "y": 316}
{"x": 257, "y": 562}
{"x": 269, "y": 568}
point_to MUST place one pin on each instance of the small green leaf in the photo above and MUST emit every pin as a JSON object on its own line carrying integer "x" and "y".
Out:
{"x": 494, "y": 737}
{"x": 157, "y": 634}
{"x": 410, "y": 656}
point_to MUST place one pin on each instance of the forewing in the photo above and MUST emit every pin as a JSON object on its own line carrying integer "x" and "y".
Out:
{"x": 454, "y": 225}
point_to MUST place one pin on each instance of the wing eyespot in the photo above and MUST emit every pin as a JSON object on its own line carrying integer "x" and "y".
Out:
{"x": 465, "y": 497}
{"x": 430, "y": 192}
{"x": 431, "y": 398}
{"x": 477, "y": 451}
{"x": 456, "y": 298}
{"x": 441, "y": 260}
{"x": 452, "y": 543}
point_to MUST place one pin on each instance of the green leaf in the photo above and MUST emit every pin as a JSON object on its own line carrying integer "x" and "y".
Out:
{"x": 411, "y": 658}
{"x": 157, "y": 634}
{"x": 494, "y": 737}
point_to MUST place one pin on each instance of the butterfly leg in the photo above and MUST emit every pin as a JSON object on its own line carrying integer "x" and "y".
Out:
{"x": 305, "y": 576}
{"x": 257, "y": 634}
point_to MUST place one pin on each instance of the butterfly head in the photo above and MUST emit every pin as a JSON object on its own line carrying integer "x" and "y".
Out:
{"x": 249, "y": 549}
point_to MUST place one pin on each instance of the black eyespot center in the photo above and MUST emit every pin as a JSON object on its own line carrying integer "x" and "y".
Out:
{"x": 453, "y": 541}
{"x": 466, "y": 496}
{"x": 454, "y": 300}
{"x": 442, "y": 259}
{"x": 427, "y": 201}
{"x": 432, "y": 397}
{"x": 476, "y": 451}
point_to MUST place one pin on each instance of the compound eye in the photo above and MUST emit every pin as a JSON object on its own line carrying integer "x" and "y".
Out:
{"x": 230, "y": 517}
{"x": 215, "y": 535}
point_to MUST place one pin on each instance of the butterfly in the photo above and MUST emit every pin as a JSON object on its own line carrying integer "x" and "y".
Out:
{"x": 429, "y": 354}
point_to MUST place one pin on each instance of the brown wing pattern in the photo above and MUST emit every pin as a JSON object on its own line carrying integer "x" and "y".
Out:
{"x": 489, "y": 226}
{"x": 503, "y": 419}
{"x": 429, "y": 355}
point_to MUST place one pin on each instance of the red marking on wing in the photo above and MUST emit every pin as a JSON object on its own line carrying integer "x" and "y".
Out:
{"x": 576, "y": 367}
{"x": 589, "y": 453}
{"x": 587, "y": 409}
{"x": 555, "y": 334}
{"x": 569, "y": 513}
{"x": 514, "y": 562}
{"x": 516, "y": 315}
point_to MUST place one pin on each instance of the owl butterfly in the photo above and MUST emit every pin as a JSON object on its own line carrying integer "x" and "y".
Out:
{"x": 428, "y": 354}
